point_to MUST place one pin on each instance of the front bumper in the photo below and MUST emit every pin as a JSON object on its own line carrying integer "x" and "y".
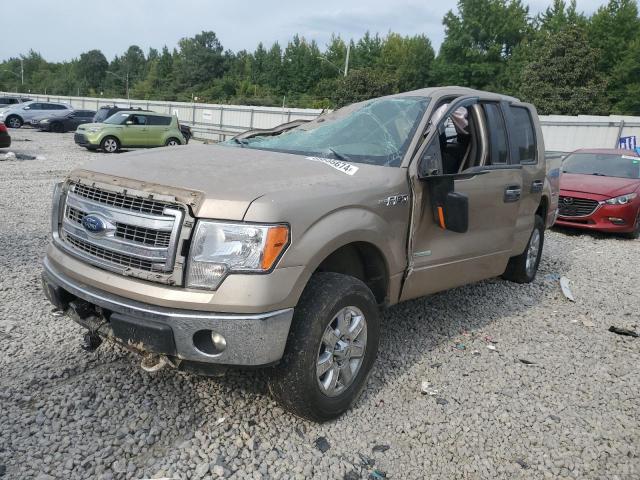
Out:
{"x": 81, "y": 139}
{"x": 251, "y": 339}
{"x": 605, "y": 218}
{"x": 5, "y": 140}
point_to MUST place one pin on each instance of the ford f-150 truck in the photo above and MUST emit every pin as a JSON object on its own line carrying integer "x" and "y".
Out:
{"x": 279, "y": 248}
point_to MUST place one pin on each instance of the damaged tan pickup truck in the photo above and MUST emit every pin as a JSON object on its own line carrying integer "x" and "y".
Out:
{"x": 281, "y": 247}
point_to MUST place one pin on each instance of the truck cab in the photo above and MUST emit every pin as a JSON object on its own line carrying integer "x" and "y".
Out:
{"x": 280, "y": 248}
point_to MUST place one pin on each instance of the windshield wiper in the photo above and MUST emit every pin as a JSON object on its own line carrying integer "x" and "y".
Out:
{"x": 339, "y": 156}
{"x": 240, "y": 141}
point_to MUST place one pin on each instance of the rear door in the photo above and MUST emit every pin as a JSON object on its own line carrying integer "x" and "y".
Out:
{"x": 157, "y": 128}
{"x": 439, "y": 258}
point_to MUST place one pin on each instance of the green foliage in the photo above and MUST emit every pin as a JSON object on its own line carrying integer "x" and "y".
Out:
{"x": 563, "y": 79}
{"x": 479, "y": 41}
{"x": 561, "y": 60}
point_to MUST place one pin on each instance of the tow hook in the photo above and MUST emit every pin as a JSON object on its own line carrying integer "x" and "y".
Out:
{"x": 90, "y": 342}
{"x": 152, "y": 362}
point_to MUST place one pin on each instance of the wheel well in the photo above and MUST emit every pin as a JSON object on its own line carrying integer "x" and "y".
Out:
{"x": 362, "y": 261}
{"x": 543, "y": 208}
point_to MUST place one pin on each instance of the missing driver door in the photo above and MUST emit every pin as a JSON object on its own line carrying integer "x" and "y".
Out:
{"x": 441, "y": 259}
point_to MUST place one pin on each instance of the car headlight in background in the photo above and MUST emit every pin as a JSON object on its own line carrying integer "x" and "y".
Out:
{"x": 218, "y": 249}
{"x": 44, "y": 121}
{"x": 621, "y": 200}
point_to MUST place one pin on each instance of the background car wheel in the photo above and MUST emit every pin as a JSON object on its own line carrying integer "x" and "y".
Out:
{"x": 523, "y": 268}
{"x": 331, "y": 348}
{"x": 172, "y": 142}
{"x": 636, "y": 231}
{"x": 13, "y": 121}
{"x": 110, "y": 145}
{"x": 56, "y": 127}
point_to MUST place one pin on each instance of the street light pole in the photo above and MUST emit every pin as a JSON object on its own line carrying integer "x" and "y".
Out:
{"x": 346, "y": 61}
{"x": 22, "y": 70}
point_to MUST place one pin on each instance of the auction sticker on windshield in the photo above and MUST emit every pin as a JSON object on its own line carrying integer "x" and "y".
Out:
{"x": 344, "y": 167}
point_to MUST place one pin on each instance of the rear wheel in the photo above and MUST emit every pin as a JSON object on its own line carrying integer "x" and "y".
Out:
{"x": 14, "y": 121}
{"x": 110, "y": 144}
{"x": 331, "y": 348}
{"x": 172, "y": 142}
{"x": 523, "y": 268}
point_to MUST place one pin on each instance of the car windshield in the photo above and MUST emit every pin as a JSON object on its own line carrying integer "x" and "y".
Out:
{"x": 377, "y": 132}
{"x": 603, "y": 164}
{"x": 117, "y": 118}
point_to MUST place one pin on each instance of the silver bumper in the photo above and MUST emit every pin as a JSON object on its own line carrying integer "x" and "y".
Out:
{"x": 251, "y": 340}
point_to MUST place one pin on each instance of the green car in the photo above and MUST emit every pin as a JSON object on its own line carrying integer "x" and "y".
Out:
{"x": 130, "y": 129}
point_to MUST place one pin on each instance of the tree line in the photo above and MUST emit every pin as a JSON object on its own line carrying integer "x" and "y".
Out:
{"x": 561, "y": 60}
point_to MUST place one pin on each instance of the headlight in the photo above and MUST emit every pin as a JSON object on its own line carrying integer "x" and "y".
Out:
{"x": 621, "y": 200}
{"x": 93, "y": 129}
{"x": 219, "y": 249}
{"x": 44, "y": 121}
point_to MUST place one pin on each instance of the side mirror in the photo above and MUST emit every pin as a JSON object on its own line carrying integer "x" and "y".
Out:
{"x": 129, "y": 122}
{"x": 455, "y": 212}
{"x": 450, "y": 208}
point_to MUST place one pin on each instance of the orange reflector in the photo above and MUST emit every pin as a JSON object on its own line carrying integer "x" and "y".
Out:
{"x": 277, "y": 239}
{"x": 441, "y": 217}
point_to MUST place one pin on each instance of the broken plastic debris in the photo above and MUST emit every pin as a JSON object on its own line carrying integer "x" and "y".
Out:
{"x": 476, "y": 353}
{"x": 552, "y": 277}
{"x": 588, "y": 323}
{"x": 220, "y": 420}
{"x": 491, "y": 347}
{"x": 624, "y": 331}
{"x": 322, "y": 444}
{"x": 441, "y": 401}
{"x": 377, "y": 475}
{"x": 522, "y": 463}
{"x": 527, "y": 362}
{"x": 566, "y": 290}
{"x": 460, "y": 346}
{"x": 427, "y": 389}
{"x": 380, "y": 448}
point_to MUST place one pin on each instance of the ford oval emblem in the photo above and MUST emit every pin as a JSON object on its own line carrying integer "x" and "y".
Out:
{"x": 94, "y": 224}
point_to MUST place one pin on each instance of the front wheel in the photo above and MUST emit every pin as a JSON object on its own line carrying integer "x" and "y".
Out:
{"x": 635, "y": 233}
{"x": 332, "y": 345}
{"x": 56, "y": 127}
{"x": 523, "y": 268}
{"x": 110, "y": 145}
{"x": 172, "y": 142}
{"x": 14, "y": 121}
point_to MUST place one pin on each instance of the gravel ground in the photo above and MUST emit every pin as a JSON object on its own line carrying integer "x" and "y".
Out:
{"x": 572, "y": 414}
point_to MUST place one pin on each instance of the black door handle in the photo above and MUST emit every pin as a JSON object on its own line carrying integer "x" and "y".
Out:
{"x": 512, "y": 193}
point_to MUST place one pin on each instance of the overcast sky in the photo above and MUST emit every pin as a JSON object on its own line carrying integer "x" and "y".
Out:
{"x": 63, "y": 29}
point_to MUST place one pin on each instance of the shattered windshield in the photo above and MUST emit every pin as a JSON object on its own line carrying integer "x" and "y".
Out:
{"x": 378, "y": 132}
{"x": 603, "y": 164}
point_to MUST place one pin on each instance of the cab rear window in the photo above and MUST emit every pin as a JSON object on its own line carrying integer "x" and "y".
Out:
{"x": 523, "y": 137}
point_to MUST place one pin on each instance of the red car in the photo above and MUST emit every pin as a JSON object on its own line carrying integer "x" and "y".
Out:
{"x": 600, "y": 190}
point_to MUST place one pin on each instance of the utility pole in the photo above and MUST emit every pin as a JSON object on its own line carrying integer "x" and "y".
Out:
{"x": 346, "y": 60}
{"x": 22, "y": 70}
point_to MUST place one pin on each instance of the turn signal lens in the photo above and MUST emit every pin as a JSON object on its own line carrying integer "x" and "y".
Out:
{"x": 277, "y": 239}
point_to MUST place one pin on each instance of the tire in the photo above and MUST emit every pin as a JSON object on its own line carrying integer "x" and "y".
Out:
{"x": 295, "y": 382}
{"x": 14, "y": 121}
{"x": 635, "y": 233}
{"x": 56, "y": 127}
{"x": 523, "y": 268}
{"x": 110, "y": 144}
{"x": 172, "y": 142}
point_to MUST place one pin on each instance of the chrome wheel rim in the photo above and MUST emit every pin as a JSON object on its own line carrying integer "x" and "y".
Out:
{"x": 533, "y": 251}
{"x": 110, "y": 145}
{"x": 341, "y": 351}
{"x": 14, "y": 123}
{"x": 172, "y": 143}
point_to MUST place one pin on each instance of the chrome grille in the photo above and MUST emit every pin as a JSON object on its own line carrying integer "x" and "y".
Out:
{"x": 108, "y": 255}
{"x": 127, "y": 234}
{"x": 121, "y": 200}
{"x": 576, "y": 207}
{"x": 143, "y": 235}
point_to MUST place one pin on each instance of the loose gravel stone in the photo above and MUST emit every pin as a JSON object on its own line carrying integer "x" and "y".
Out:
{"x": 68, "y": 414}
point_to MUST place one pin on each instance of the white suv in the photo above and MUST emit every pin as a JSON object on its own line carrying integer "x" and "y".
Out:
{"x": 21, "y": 113}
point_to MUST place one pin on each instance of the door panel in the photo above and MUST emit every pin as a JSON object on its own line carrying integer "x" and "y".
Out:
{"x": 443, "y": 259}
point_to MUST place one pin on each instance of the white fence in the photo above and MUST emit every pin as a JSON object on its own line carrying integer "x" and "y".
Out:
{"x": 217, "y": 121}
{"x": 207, "y": 121}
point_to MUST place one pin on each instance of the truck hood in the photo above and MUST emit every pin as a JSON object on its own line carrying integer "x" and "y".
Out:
{"x": 226, "y": 180}
{"x": 605, "y": 186}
